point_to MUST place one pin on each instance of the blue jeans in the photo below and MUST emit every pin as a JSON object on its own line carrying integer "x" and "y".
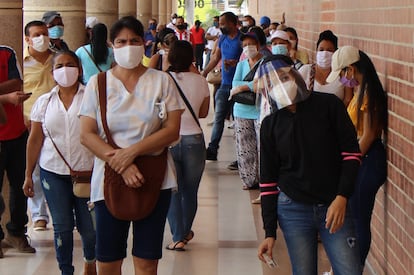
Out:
{"x": 371, "y": 175}
{"x": 189, "y": 158}
{"x": 222, "y": 108}
{"x": 64, "y": 207}
{"x": 301, "y": 223}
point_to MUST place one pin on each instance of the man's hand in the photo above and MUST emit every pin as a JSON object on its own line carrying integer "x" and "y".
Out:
{"x": 335, "y": 215}
{"x": 16, "y": 98}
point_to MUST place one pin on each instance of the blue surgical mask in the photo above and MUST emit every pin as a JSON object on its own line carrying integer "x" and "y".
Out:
{"x": 215, "y": 24}
{"x": 55, "y": 32}
{"x": 279, "y": 49}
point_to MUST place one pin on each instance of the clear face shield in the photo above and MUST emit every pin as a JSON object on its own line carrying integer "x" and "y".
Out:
{"x": 279, "y": 83}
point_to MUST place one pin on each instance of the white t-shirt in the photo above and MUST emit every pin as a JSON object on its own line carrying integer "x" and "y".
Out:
{"x": 214, "y": 32}
{"x": 195, "y": 89}
{"x": 63, "y": 125}
{"x": 335, "y": 87}
{"x": 131, "y": 116}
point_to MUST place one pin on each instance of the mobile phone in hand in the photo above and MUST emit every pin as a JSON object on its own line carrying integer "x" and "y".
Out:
{"x": 269, "y": 261}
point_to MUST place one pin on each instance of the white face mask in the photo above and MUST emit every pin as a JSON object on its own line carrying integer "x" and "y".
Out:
{"x": 324, "y": 59}
{"x": 40, "y": 43}
{"x": 129, "y": 57}
{"x": 66, "y": 76}
{"x": 284, "y": 94}
{"x": 174, "y": 21}
{"x": 245, "y": 23}
{"x": 250, "y": 51}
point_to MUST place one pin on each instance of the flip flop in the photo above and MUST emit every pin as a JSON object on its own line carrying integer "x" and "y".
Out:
{"x": 173, "y": 246}
{"x": 189, "y": 237}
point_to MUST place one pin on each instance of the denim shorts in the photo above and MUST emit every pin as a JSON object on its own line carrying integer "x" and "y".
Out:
{"x": 148, "y": 233}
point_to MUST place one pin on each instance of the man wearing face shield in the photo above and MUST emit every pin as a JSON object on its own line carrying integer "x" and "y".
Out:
{"x": 309, "y": 160}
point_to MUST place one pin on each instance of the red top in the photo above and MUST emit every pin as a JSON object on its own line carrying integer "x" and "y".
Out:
{"x": 9, "y": 69}
{"x": 197, "y": 36}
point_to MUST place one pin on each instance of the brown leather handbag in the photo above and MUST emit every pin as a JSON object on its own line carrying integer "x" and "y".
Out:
{"x": 123, "y": 202}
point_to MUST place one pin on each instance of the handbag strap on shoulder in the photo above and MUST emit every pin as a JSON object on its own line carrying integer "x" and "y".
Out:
{"x": 185, "y": 100}
{"x": 102, "y": 104}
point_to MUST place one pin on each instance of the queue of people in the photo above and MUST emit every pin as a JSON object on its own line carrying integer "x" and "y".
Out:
{"x": 310, "y": 139}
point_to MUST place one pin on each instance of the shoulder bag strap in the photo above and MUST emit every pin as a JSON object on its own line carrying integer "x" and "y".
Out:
{"x": 312, "y": 77}
{"x": 53, "y": 142}
{"x": 185, "y": 100}
{"x": 93, "y": 59}
{"x": 102, "y": 104}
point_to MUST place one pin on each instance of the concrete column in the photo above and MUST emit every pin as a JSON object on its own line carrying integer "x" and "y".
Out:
{"x": 144, "y": 11}
{"x": 163, "y": 17}
{"x": 11, "y": 22}
{"x": 127, "y": 7}
{"x": 155, "y": 12}
{"x": 170, "y": 9}
{"x": 72, "y": 12}
{"x": 105, "y": 10}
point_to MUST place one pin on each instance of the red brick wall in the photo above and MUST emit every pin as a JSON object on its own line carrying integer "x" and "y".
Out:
{"x": 385, "y": 31}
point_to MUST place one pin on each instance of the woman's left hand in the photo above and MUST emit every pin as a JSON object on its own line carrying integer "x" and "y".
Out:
{"x": 335, "y": 216}
{"x": 133, "y": 177}
{"x": 120, "y": 159}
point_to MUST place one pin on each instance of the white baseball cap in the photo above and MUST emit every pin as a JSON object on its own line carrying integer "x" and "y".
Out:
{"x": 279, "y": 34}
{"x": 91, "y": 22}
{"x": 342, "y": 58}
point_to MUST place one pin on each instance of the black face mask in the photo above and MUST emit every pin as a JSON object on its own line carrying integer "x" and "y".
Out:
{"x": 181, "y": 27}
{"x": 225, "y": 30}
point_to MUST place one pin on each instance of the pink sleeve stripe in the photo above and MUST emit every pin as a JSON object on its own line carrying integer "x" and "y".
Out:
{"x": 268, "y": 184}
{"x": 351, "y": 154}
{"x": 352, "y": 158}
{"x": 269, "y": 193}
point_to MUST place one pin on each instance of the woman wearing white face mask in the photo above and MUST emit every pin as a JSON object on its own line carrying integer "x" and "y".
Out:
{"x": 55, "y": 126}
{"x": 315, "y": 75}
{"x": 143, "y": 117}
{"x": 246, "y": 115}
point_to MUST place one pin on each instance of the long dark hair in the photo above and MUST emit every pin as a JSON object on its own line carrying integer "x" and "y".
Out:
{"x": 99, "y": 47}
{"x": 180, "y": 56}
{"x": 371, "y": 87}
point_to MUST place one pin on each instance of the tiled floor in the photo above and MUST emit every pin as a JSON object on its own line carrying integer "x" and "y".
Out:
{"x": 227, "y": 230}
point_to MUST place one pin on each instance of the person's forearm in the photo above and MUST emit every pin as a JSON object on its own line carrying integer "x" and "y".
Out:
{"x": 11, "y": 85}
{"x": 96, "y": 145}
{"x": 34, "y": 146}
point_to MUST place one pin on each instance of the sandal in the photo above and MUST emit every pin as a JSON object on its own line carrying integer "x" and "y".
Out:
{"x": 189, "y": 237}
{"x": 176, "y": 246}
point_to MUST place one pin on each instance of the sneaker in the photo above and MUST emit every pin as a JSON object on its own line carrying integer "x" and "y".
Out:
{"x": 20, "y": 243}
{"x": 39, "y": 225}
{"x": 211, "y": 155}
{"x": 231, "y": 125}
{"x": 210, "y": 123}
{"x": 233, "y": 166}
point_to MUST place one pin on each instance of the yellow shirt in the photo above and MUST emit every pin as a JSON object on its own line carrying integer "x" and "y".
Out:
{"x": 37, "y": 79}
{"x": 302, "y": 56}
{"x": 353, "y": 113}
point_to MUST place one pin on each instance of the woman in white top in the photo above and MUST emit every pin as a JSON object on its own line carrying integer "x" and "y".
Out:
{"x": 143, "y": 115}
{"x": 190, "y": 153}
{"x": 315, "y": 74}
{"x": 54, "y": 120}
